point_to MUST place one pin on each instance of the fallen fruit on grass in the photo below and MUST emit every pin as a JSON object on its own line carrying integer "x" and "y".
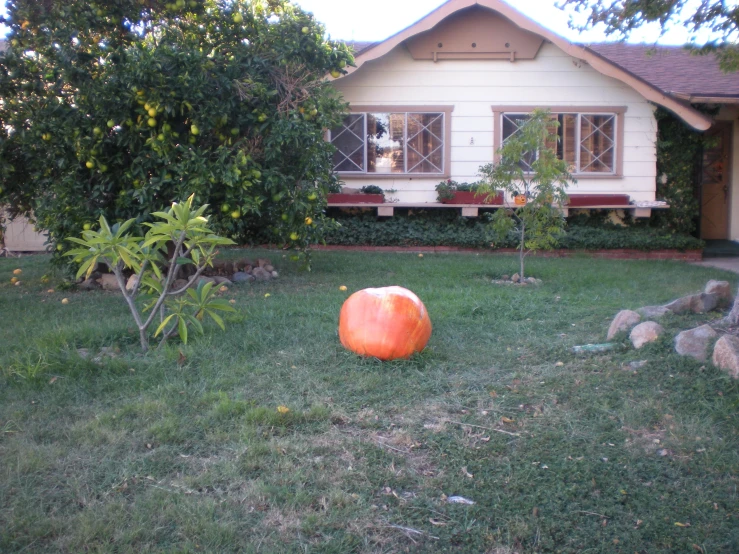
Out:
{"x": 13, "y": 280}
{"x": 17, "y": 271}
{"x": 50, "y": 291}
{"x": 342, "y": 287}
{"x": 267, "y": 295}
{"x": 386, "y": 323}
{"x": 65, "y": 300}
{"x": 223, "y": 289}
{"x": 232, "y": 301}
{"x": 17, "y": 283}
{"x": 283, "y": 409}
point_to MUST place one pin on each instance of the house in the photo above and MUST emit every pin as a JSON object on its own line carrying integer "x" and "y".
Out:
{"x": 435, "y": 100}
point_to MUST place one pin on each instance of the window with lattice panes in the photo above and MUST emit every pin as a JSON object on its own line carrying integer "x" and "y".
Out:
{"x": 411, "y": 143}
{"x": 587, "y": 142}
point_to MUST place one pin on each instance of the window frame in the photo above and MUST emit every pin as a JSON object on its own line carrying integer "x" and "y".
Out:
{"x": 617, "y": 111}
{"x": 445, "y": 110}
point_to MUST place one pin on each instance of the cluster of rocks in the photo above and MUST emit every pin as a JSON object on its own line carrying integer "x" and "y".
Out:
{"x": 515, "y": 279}
{"x": 692, "y": 342}
{"x": 222, "y": 273}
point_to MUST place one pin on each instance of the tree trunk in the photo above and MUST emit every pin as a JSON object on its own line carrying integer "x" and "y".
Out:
{"x": 733, "y": 317}
{"x": 521, "y": 249}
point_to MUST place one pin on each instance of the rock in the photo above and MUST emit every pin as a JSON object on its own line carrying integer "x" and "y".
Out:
{"x": 696, "y": 303}
{"x": 624, "y": 320}
{"x": 515, "y": 278}
{"x": 222, "y": 281}
{"x": 505, "y": 278}
{"x": 131, "y": 282}
{"x": 261, "y": 262}
{"x": 108, "y": 281}
{"x": 275, "y": 275}
{"x": 269, "y": 268}
{"x": 722, "y": 289}
{"x": 89, "y": 284}
{"x": 178, "y": 284}
{"x": 644, "y": 333}
{"x": 203, "y": 279}
{"x": 694, "y": 342}
{"x": 261, "y": 274}
{"x": 241, "y": 277}
{"x": 652, "y": 312}
{"x": 726, "y": 355}
{"x": 704, "y": 302}
{"x": 638, "y": 364}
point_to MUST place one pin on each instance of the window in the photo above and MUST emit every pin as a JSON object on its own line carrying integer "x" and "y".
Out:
{"x": 392, "y": 142}
{"x": 590, "y": 142}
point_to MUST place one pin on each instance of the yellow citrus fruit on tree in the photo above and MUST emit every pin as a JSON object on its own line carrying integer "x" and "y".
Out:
{"x": 308, "y": 221}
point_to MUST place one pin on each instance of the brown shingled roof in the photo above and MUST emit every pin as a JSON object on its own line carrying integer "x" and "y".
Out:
{"x": 672, "y": 69}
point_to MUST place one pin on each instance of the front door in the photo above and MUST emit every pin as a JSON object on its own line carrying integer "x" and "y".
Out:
{"x": 715, "y": 183}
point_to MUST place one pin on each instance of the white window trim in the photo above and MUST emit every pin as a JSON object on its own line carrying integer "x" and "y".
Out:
{"x": 445, "y": 111}
{"x": 616, "y": 111}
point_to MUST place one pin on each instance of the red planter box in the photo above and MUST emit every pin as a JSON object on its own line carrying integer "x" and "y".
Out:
{"x": 598, "y": 200}
{"x": 472, "y": 198}
{"x": 338, "y": 198}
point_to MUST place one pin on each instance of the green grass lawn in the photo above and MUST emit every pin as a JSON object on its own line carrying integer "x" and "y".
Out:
{"x": 183, "y": 450}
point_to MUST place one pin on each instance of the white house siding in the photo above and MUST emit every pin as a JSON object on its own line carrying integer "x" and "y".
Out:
{"x": 474, "y": 86}
{"x": 19, "y": 236}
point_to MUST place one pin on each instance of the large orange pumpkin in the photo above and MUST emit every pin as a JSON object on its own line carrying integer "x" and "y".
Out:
{"x": 386, "y": 323}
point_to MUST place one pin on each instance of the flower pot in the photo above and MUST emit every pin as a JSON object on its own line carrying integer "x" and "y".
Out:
{"x": 472, "y": 198}
{"x": 339, "y": 198}
{"x": 598, "y": 200}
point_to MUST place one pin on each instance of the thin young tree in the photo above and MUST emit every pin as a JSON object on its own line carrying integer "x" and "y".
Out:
{"x": 527, "y": 165}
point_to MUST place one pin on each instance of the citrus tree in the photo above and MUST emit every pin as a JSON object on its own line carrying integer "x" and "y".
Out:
{"x": 527, "y": 167}
{"x": 116, "y": 108}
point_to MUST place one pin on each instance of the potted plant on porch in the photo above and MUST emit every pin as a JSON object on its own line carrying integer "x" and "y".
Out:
{"x": 451, "y": 192}
{"x": 370, "y": 194}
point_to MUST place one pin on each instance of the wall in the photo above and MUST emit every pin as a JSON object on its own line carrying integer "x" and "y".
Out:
{"x": 474, "y": 86}
{"x": 19, "y": 236}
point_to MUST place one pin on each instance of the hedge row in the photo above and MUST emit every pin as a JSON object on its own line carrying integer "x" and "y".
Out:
{"x": 448, "y": 228}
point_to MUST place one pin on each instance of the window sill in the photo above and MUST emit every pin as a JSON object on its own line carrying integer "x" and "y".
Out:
{"x": 385, "y": 176}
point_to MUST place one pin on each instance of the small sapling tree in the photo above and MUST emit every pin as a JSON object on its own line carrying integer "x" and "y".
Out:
{"x": 178, "y": 307}
{"x": 527, "y": 165}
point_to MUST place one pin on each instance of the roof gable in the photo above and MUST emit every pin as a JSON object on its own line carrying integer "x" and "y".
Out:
{"x": 604, "y": 66}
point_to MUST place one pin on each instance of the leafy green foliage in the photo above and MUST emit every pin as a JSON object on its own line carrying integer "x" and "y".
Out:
{"x": 117, "y": 108}
{"x": 528, "y": 165}
{"x": 717, "y": 17}
{"x": 371, "y": 189}
{"x": 679, "y": 151}
{"x": 448, "y": 228}
{"x": 445, "y": 189}
{"x": 194, "y": 243}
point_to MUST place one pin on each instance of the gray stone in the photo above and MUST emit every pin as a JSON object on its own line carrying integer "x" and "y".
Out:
{"x": 222, "y": 281}
{"x": 726, "y": 355}
{"x": 515, "y": 278}
{"x": 638, "y": 364}
{"x": 269, "y": 268}
{"x": 652, "y": 312}
{"x": 204, "y": 280}
{"x": 89, "y": 284}
{"x": 261, "y": 274}
{"x": 681, "y": 305}
{"x": 108, "y": 282}
{"x": 178, "y": 284}
{"x": 696, "y": 303}
{"x": 131, "y": 282}
{"x": 275, "y": 275}
{"x": 644, "y": 333}
{"x": 241, "y": 277}
{"x": 694, "y": 342}
{"x": 624, "y": 320}
{"x": 505, "y": 277}
{"x": 722, "y": 289}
